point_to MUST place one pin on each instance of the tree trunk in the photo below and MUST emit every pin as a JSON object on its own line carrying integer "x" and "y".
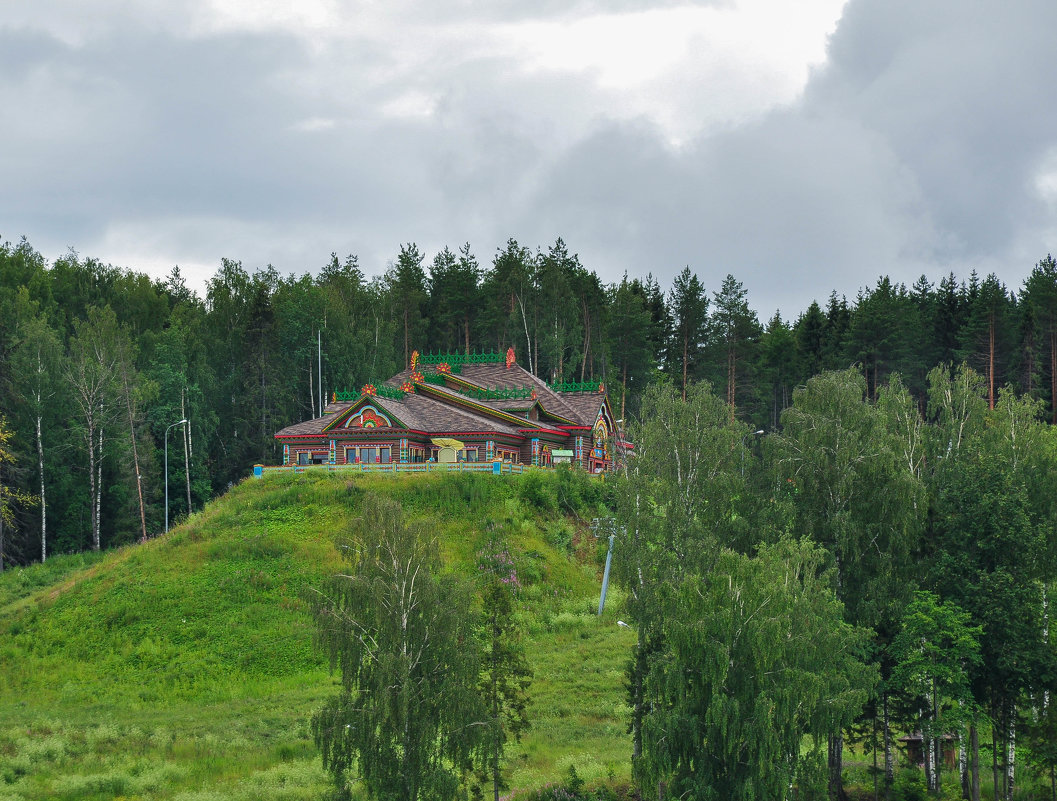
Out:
{"x": 937, "y": 739}
{"x": 187, "y": 449}
{"x": 974, "y": 767}
{"x": 991, "y": 362}
{"x": 1011, "y": 751}
{"x": 889, "y": 761}
{"x": 407, "y": 354}
{"x": 135, "y": 458}
{"x": 587, "y": 339}
{"x": 873, "y": 749}
{"x": 43, "y": 502}
{"x": 90, "y": 438}
{"x": 1053, "y": 373}
{"x": 836, "y": 765}
{"x": 732, "y": 370}
{"x": 928, "y": 753}
{"x": 686, "y": 357}
{"x": 97, "y": 529}
{"x": 528, "y": 339}
{"x": 624, "y": 390}
{"x": 994, "y": 760}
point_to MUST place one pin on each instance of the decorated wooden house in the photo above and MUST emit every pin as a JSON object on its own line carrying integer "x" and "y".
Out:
{"x": 448, "y": 408}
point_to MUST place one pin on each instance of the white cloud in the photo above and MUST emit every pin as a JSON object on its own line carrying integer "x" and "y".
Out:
{"x": 801, "y": 146}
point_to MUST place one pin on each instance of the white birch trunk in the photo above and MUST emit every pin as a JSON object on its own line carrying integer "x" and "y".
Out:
{"x": 187, "y": 450}
{"x": 1011, "y": 752}
{"x": 1045, "y": 632}
{"x": 43, "y": 501}
{"x": 97, "y": 527}
{"x": 135, "y": 456}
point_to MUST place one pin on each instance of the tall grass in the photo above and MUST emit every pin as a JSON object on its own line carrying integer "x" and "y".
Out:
{"x": 184, "y": 668}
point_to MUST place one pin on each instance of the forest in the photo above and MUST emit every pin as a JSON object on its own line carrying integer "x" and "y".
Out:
{"x": 872, "y": 579}
{"x": 99, "y": 366}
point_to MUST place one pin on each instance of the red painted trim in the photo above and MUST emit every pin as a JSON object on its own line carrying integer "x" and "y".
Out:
{"x": 347, "y": 434}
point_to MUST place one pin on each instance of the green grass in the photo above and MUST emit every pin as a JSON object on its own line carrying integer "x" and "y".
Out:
{"x": 184, "y": 668}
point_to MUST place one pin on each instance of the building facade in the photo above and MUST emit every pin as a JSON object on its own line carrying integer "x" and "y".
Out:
{"x": 461, "y": 408}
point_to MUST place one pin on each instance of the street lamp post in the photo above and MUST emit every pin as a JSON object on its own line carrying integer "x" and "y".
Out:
{"x": 753, "y": 434}
{"x": 178, "y": 423}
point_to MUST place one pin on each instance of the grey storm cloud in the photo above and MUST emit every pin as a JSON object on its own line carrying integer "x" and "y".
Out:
{"x": 918, "y": 146}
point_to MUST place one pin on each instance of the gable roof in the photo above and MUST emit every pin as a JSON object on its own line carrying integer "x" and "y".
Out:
{"x": 434, "y": 408}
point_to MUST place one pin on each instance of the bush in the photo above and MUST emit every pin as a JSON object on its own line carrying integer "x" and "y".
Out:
{"x": 536, "y": 491}
{"x": 909, "y": 786}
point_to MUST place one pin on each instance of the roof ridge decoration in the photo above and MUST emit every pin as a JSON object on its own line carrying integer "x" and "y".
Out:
{"x": 458, "y": 359}
{"x": 578, "y": 386}
{"x": 372, "y": 388}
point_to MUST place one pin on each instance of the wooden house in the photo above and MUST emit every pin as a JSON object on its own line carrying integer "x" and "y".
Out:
{"x": 461, "y": 408}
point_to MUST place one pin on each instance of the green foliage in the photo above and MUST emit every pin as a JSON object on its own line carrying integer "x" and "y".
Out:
{"x": 200, "y": 643}
{"x": 505, "y": 672}
{"x": 538, "y": 491}
{"x": 772, "y": 662}
{"x": 934, "y": 651}
{"x": 909, "y": 786}
{"x": 406, "y": 717}
{"x": 855, "y": 494}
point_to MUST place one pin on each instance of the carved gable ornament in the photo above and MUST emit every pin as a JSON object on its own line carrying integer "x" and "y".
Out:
{"x": 369, "y": 417}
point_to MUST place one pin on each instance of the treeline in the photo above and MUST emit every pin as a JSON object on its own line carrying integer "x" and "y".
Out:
{"x": 99, "y": 365}
{"x": 877, "y": 567}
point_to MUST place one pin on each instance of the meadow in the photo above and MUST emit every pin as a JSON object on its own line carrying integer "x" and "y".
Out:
{"x": 184, "y": 668}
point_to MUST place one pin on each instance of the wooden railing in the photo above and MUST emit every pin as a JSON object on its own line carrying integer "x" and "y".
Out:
{"x": 505, "y": 468}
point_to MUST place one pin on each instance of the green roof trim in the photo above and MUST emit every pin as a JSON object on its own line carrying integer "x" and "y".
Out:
{"x": 454, "y": 359}
{"x": 576, "y": 386}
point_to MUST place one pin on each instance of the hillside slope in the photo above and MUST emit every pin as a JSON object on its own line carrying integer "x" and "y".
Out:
{"x": 184, "y": 668}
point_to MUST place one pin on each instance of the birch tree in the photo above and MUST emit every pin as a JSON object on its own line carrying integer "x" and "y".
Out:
{"x": 934, "y": 651}
{"x": 505, "y": 672}
{"x": 757, "y": 662}
{"x": 407, "y": 716}
{"x": 34, "y": 365}
{"x": 852, "y": 495}
{"x": 681, "y": 499}
{"x": 91, "y": 372}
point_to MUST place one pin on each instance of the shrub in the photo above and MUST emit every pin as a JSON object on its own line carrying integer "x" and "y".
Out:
{"x": 536, "y": 491}
{"x": 909, "y": 786}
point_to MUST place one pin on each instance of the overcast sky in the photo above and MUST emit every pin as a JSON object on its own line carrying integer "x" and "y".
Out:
{"x": 801, "y": 145}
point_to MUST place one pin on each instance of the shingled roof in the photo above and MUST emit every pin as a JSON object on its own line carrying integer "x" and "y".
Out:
{"x": 439, "y": 408}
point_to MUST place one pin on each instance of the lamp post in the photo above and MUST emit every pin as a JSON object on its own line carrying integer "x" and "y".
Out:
{"x": 178, "y": 423}
{"x": 753, "y": 434}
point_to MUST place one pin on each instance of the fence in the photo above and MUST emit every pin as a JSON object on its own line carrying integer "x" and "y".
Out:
{"x": 496, "y": 468}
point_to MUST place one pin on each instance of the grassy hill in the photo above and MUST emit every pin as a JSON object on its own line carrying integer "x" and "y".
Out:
{"x": 184, "y": 668}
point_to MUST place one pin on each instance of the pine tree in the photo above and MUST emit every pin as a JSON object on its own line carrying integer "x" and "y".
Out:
{"x": 1040, "y": 296}
{"x": 736, "y": 331}
{"x": 689, "y": 309}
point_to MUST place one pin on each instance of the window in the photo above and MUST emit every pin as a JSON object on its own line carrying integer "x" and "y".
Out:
{"x": 303, "y": 457}
{"x": 471, "y": 454}
{"x": 383, "y": 453}
{"x": 367, "y": 455}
